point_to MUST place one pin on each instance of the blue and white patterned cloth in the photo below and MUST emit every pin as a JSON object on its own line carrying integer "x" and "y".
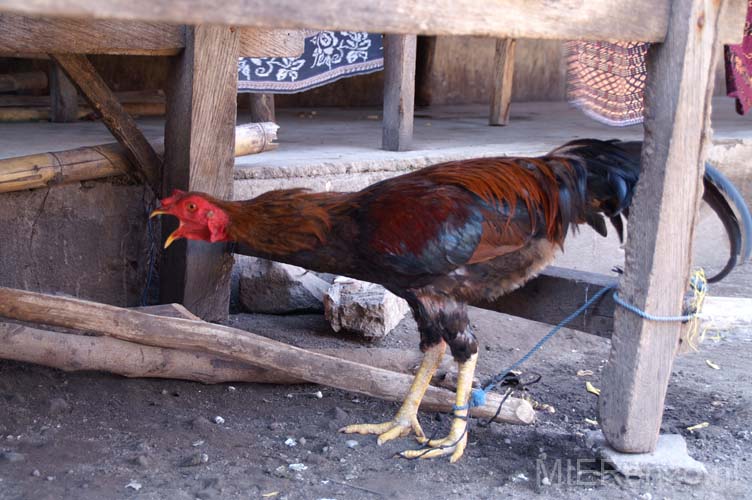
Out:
{"x": 327, "y": 57}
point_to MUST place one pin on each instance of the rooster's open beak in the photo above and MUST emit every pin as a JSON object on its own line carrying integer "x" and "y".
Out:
{"x": 175, "y": 234}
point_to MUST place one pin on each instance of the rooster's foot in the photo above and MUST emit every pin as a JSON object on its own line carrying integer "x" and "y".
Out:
{"x": 399, "y": 427}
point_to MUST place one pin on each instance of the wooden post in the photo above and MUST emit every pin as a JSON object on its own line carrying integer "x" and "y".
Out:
{"x": 121, "y": 124}
{"x": 63, "y": 96}
{"x": 399, "y": 91}
{"x": 501, "y": 86}
{"x": 661, "y": 226}
{"x": 262, "y": 108}
{"x": 199, "y": 144}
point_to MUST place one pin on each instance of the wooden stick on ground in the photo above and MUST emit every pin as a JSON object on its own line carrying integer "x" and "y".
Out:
{"x": 238, "y": 345}
{"x": 69, "y": 352}
{"x": 107, "y": 160}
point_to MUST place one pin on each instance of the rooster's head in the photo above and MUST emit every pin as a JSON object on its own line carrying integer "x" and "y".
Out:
{"x": 199, "y": 216}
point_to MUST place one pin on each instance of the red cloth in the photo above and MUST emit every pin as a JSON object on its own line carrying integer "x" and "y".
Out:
{"x": 739, "y": 68}
{"x": 607, "y": 80}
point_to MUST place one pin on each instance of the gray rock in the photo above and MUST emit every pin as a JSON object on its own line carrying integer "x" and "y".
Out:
{"x": 59, "y": 406}
{"x": 338, "y": 414}
{"x": 363, "y": 308}
{"x": 12, "y": 456}
{"x": 274, "y": 288}
{"x": 669, "y": 461}
{"x": 195, "y": 459}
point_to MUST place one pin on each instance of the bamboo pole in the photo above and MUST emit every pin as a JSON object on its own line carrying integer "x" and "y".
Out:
{"x": 219, "y": 340}
{"x": 107, "y": 160}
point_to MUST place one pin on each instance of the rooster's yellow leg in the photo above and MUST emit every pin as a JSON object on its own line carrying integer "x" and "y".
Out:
{"x": 456, "y": 441}
{"x": 406, "y": 418}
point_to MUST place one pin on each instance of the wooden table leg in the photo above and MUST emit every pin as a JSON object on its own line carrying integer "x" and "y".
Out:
{"x": 199, "y": 144}
{"x": 661, "y": 225}
{"x": 262, "y": 108}
{"x": 63, "y": 96}
{"x": 399, "y": 91}
{"x": 501, "y": 87}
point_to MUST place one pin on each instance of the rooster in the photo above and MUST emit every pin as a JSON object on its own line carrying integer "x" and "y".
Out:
{"x": 442, "y": 237}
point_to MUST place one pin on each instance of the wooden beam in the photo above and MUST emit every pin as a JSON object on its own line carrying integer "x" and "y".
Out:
{"x": 399, "y": 91}
{"x": 643, "y": 20}
{"x": 88, "y": 36}
{"x": 238, "y": 345}
{"x": 260, "y": 42}
{"x": 261, "y": 107}
{"x": 146, "y": 164}
{"x": 501, "y": 86}
{"x": 199, "y": 143}
{"x": 22, "y": 34}
{"x": 63, "y": 96}
{"x": 106, "y": 160}
{"x": 34, "y": 80}
{"x": 661, "y": 227}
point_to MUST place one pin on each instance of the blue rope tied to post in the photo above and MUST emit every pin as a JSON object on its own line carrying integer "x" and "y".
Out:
{"x": 698, "y": 283}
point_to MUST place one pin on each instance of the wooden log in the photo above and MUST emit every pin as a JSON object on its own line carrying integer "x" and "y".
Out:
{"x": 238, "y": 345}
{"x": 71, "y": 353}
{"x": 199, "y": 136}
{"x": 107, "y": 160}
{"x": 262, "y": 107}
{"x": 501, "y": 86}
{"x": 63, "y": 97}
{"x": 22, "y": 34}
{"x": 145, "y": 164}
{"x": 644, "y": 20}
{"x": 399, "y": 91}
{"x": 13, "y": 82}
{"x": 661, "y": 226}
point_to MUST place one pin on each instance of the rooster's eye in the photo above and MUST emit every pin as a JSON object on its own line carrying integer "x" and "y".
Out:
{"x": 191, "y": 207}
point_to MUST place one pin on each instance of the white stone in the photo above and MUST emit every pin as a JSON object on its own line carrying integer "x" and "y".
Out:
{"x": 669, "y": 461}
{"x": 274, "y": 288}
{"x": 363, "y": 308}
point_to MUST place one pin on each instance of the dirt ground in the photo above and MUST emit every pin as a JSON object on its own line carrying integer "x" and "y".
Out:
{"x": 95, "y": 436}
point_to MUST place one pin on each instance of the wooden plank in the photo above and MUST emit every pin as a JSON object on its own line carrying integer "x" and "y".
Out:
{"x": 502, "y": 74}
{"x": 239, "y": 345}
{"x": 644, "y": 20}
{"x": 256, "y": 42}
{"x": 23, "y": 34}
{"x": 555, "y": 294}
{"x": 262, "y": 107}
{"x": 146, "y": 164}
{"x": 90, "y": 36}
{"x": 399, "y": 91}
{"x": 63, "y": 96}
{"x": 199, "y": 143}
{"x": 129, "y": 97}
{"x": 661, "y": 226}
{"x": 34, "y": 80}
